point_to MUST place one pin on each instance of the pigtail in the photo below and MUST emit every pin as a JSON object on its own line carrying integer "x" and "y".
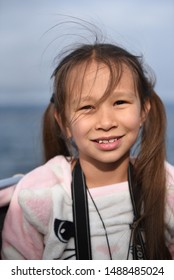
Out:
{"x": 53, "y": 141}
{"x": 151, "y": 176}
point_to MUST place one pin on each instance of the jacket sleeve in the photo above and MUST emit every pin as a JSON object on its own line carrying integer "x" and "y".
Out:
{"x": 20, "y": 239}
{"x": 169, "y": 215}
{"x": 6, "y": 195}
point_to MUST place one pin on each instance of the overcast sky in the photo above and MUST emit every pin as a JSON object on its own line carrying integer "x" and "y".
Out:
{"x": 32, "y": 35}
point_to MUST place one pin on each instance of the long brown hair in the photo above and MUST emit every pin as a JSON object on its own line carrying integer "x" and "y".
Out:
{"x": 149, "y": 164}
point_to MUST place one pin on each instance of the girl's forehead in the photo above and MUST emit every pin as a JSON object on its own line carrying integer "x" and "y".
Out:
{"x": 85, "y": 77}
{"x": 84, "y": 71}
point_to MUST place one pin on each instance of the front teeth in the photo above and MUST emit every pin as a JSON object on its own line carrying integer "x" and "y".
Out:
{"x": 106, "y": 141}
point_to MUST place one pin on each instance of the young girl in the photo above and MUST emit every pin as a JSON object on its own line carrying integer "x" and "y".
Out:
{"x": 103, "y": 103}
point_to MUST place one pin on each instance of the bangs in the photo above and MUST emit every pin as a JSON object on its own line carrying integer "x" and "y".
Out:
{"x": 77, "y": 77}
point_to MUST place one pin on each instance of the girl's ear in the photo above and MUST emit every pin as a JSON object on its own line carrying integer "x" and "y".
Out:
{"x": 145, "y": 111}
{"x": 65, "y": 129}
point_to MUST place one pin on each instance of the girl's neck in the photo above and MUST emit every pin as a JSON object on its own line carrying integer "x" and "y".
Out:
{"x": 98, "y": 175}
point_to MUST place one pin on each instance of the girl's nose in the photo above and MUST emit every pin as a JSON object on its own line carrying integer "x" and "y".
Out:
{"x": 106, "y": 120}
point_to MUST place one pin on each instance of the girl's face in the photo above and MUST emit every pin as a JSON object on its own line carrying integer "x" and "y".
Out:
{"x": 105, "y": 131}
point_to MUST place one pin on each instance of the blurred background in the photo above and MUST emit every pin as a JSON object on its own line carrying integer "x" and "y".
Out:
{"x": 33, "y": 32}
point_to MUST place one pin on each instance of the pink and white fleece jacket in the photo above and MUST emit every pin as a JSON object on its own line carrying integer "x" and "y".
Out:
{"x": 39, "y": 222}
{"x": 6, "y": 195}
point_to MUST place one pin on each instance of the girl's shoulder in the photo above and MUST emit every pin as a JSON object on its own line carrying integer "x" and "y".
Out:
{"x": 55, "y": 171}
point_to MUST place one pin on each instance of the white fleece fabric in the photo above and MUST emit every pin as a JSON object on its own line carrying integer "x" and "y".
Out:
{"x": 39, "y": 222}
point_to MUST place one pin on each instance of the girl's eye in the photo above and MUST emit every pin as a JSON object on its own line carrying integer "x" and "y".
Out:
{"x": 86, "y": 107}
{"x": 119, "y": 102}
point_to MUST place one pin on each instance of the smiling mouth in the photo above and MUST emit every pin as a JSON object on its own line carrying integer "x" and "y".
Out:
{"x": 107, "y": 141}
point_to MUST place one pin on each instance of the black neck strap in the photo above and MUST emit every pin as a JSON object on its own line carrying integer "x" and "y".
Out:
{"x": 81, "y": 215}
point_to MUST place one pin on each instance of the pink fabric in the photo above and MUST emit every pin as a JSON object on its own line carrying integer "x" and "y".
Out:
{"x": 170, "y": 206}
{"x": 6, "y": 195}
{"x": 17, "y": 231}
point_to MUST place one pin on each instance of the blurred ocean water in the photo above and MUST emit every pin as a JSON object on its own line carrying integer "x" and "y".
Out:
{"x": 20, "y": 139}
{"x": 21, "y": 144}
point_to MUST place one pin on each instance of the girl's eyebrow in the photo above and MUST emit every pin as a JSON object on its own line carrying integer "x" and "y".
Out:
{"x": 127, "y": 94}
{"x": 83, "y": 99}
{"x": 123, "y": 92}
